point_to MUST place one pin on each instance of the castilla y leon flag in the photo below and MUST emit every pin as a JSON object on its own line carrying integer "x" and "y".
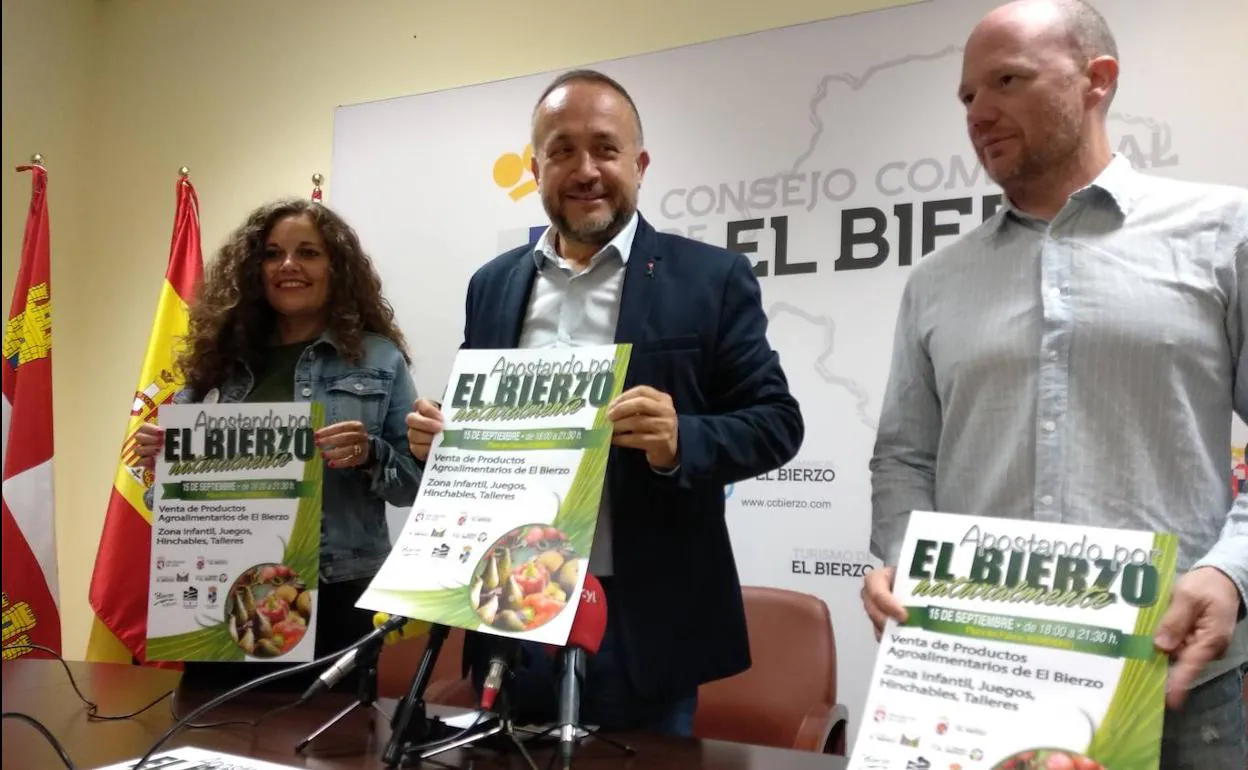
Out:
{"x": 29, "y": 577}
{"x": 119, "y": 584}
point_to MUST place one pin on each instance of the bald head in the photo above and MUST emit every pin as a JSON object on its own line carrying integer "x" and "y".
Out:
{"x": 1073, "y": 25}
{"x": 1037, "y": 80}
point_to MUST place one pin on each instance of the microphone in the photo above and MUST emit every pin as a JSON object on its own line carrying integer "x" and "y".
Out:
{"x": 409, "y": 630}
{"x": 584, "y": 638}
{"x": 391, "y": 628}
{"x": 502, "y": 660}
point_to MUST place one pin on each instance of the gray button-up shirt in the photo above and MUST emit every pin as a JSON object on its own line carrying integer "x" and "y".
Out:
{"x": 1080, "y": 371}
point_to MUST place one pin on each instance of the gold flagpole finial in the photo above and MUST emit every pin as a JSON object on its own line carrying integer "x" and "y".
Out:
{"x": 184, "y": 172}
{"x": 317, "y": 179}
{"x": 36, "y": 159}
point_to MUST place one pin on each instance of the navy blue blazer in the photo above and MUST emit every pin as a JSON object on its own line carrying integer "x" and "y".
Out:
{"x": 694, "y": 316}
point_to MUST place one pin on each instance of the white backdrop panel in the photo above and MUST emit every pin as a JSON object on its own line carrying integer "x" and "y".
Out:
{"x": 820, "y": 131}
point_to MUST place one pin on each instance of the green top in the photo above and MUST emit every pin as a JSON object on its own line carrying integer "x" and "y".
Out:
{"x": 275, "y": 374}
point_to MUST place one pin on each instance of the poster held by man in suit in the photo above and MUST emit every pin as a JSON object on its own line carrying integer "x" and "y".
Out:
{"x": 499, "y": 537}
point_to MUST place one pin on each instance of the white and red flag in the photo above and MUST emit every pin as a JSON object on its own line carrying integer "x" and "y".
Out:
{"x": 29, "y": 579}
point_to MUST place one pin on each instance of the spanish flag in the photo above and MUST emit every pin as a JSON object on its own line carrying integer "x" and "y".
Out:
{"x": 119, "y": 584}
{"x": 29, "y": 600}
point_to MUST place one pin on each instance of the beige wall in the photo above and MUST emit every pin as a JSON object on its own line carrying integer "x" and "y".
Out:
{"x": 119, "y": 93}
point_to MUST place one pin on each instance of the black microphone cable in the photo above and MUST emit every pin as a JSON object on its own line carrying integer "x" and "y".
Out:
{"x": 35, "y": 723}
{"x": 186, "y": 721}
{"x": 394, "y": 623}
{"x": 93, "y": 708}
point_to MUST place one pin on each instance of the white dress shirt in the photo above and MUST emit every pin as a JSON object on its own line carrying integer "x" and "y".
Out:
{"x": 568, "y": 308}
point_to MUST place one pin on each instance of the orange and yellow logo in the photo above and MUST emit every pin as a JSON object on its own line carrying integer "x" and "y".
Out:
{"x": 514, "y": 173}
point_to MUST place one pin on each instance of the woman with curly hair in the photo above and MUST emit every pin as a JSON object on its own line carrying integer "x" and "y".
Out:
{"x": 292, "y": 310}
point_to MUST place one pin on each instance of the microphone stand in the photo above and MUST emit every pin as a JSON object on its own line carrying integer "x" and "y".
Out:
{"x": 368, "y": 657}
{"x": 501, "y": 725}
{"x": 410, "y": 724}
{"x": 568, "y": 725}
{"x": 590, "y": 732}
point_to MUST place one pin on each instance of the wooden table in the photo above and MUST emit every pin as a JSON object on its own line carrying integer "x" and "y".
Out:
{"x": 41, "y": 689}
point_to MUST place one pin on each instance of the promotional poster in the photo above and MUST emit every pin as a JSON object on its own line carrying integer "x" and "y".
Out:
{"x": 236, "y": 533}
{"x": 500, "y": 534}
{"x": 1026, "y": 645}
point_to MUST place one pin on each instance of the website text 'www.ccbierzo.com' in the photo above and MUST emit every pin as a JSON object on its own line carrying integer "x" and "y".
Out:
{"x": 785, "y": 502}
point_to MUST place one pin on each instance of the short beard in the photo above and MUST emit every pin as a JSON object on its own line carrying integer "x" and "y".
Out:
{"x": 592, "y": 234}
{"x": 1055, "y": 160}
{"x": 1059, "y": 153}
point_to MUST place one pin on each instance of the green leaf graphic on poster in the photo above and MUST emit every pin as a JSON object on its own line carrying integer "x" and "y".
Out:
{"x": 303, "y": 551}
{"x": 211, "y": 643}
{"x": 579, "y": 510}
{"x": 450, "y": 606}
{"x": 1127, "y": 737}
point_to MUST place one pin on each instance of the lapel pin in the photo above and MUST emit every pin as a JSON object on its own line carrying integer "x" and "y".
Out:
{"x": 650, "y": 269}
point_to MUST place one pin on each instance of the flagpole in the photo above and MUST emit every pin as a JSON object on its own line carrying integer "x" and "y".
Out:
{"x": 36, "y": 161}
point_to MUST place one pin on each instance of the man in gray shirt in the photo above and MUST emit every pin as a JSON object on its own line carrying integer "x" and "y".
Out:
{"x": 1077, "y": 358}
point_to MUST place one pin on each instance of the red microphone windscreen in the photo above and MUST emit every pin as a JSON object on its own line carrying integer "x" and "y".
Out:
{"x": 590, "y": 623}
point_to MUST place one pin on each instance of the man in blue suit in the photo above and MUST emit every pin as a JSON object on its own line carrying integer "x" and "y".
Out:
{"x": 705, "y": 404}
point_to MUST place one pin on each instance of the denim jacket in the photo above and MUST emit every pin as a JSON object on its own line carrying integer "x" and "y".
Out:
{"x": 379, "y": 392}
